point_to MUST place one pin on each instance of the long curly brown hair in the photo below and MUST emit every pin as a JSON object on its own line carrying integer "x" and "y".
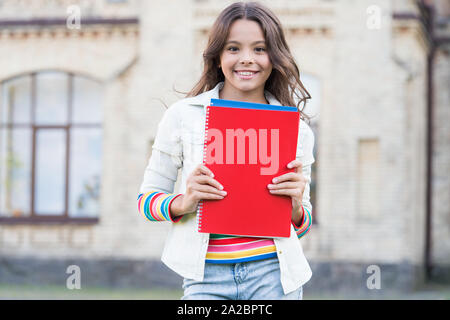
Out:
{"x": 284, "y": 81}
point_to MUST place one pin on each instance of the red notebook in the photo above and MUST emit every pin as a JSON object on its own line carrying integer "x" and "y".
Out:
{"x": 246, "y": 146}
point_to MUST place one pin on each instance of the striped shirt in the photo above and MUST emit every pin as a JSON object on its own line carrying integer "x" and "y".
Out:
{"x": 154, "y": 206}
{"x": 234, "y": 249}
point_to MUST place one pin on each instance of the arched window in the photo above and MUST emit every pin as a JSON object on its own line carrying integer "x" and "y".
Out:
{"x": 50, "y": 148}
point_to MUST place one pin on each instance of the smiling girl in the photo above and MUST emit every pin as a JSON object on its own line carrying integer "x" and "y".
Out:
{"x": 246, "y": 59}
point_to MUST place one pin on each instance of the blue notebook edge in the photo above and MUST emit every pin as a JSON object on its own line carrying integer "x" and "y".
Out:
{"x": 249, "y": 105}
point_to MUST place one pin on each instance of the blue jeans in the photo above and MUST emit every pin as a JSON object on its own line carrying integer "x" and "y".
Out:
{"x": 253, "y": 280}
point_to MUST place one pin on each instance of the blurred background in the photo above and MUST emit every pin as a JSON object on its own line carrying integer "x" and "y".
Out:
{"x": 83, "y": 85}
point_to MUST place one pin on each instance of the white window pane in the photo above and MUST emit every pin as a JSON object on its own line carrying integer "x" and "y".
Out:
{"x": 87, "y": 104}
{"x": 50, "y": 171}
{"x": 85, "y": 171}
{"x": 15, "y": 171}
{"x": 51, "y": 98}
{"x": 16, "y": 101}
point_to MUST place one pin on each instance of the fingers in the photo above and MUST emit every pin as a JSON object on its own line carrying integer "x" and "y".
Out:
{"x": 290, "y": 176}
{"x": 294, "y": 193}
{"x": 207, "y": 192}
{"x": 203, "y": 174}
{"x": 202, "y": 169}
{"x": 295, "y": 164}
{"x": 283, "y": 185}
{"x": 208, "y": 189}
{"x": 202, "y": 191}
{"x": 292, "y": 189}
{"x": 204, "y": 186}
{"x": 208, "y": 180}
{"x": 291, "y": 183}
{"x": 205, "y": 195}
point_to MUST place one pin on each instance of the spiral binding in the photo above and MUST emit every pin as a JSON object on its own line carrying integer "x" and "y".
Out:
{"x": 199, "y": 215}
{"x": 200, "y": 204}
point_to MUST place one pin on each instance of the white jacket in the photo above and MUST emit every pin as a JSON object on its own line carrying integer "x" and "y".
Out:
{"x": 179, "y": 144}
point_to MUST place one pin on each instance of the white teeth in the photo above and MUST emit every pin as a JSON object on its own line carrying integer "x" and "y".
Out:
{"x": 246, "y": 73}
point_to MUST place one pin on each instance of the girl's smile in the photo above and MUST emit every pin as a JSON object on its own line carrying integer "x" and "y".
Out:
{"x": 245, "y": 74}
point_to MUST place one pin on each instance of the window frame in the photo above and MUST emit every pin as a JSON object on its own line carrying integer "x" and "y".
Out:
{"x": 64, "y": 218}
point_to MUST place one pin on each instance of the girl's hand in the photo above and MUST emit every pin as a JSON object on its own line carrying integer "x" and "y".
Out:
{"x": 291, "y": 184}
{"x": 200, "y": 185}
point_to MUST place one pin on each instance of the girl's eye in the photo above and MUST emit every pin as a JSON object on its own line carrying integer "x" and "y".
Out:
{"x": 234, "y": 49}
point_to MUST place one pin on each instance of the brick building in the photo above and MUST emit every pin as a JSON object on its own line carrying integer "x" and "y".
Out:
{"x": 85, "y": 83}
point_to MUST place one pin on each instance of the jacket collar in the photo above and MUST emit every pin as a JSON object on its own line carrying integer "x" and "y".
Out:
{"x": 204, "y": 98}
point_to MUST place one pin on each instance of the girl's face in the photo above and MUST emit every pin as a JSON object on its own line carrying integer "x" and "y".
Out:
{"x": 244, "y": 59}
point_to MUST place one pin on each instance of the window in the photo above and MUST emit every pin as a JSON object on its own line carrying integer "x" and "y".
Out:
{"x": 50, "y": 148}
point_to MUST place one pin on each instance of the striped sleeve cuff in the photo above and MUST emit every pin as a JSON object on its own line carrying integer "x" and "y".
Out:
{"x": 154, "y": 205}
{"x": 305, "y": 226}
